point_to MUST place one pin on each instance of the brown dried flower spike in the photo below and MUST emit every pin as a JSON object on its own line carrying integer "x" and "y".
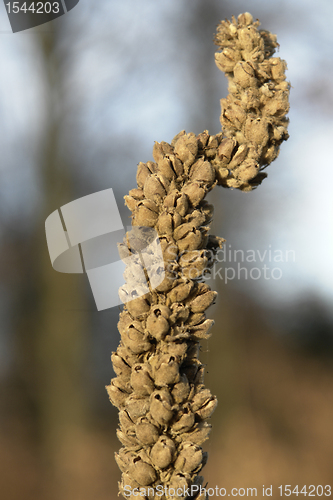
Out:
{"x": 159, "y": 388}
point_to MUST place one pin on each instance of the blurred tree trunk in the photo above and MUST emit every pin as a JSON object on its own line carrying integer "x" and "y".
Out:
{"x": 53, "y": 320}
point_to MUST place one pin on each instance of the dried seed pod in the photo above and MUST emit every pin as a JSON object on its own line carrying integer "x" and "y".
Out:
{"x": 165, "y": 168}
{"x": 199, "y": 433}
{"x": 157, "y": 323}
{"x": 194, "y": 192}
{"x": 135, "y": 340}
{"x": 127, "y": 439}
{"x": 169, "y": 250}
{"x": 143, "y": 173}
{"x": 125, "y": 421}
{"x": 120, "y": 366}
{"x": 256, "y": 130}
{"x": 160, "y": 150}
{"x": 136, "y": 407}
{"x": 202, "y": 302}
{"x": 127, "y": 355}
{"x": 180, "y": 313}
{"x": 191, "y": 241}
{"x": 186, "y": 148}
{"x": 127, "y": 485}
{"x": 177, "y": 165}
{"x": 117, "y": 395}
{"x": 146, "y": 432}
{"x": 156, "y": 187}
{"x": 166, "y": 371}
{"x": 179, "y": 480}
{"x": 141, "y": 380}
{"x": 176, "y": 348}
{"x": 142, "y": 472}
{"x": 202, "y": 171}
{"x": 145, "y": 214}
{"x": 227, "y": 59}
{"x": 185, "y": 420}
{"x": 181, "y": 390}
{"x": 138, "y": 307}
{"x": 189, "y": 459}
{"x": 161, "y": 406}
{"x": 165, "y": 224}
{"x": 202, "y": 401}
{"x": 181, "y": 291}
{"x": 201, "y": 331}
{"x": 196, "y": 218}
{"x": 163, "y": 452}
{"x": 176, "y": 201}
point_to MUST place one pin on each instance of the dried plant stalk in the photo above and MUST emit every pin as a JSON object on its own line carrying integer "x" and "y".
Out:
{"x": 164, "y": 407}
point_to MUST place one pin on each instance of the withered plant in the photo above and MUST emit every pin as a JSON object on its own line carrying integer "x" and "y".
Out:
{"x": 164, "y": 407}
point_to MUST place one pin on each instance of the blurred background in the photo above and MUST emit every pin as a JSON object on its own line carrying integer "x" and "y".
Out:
{"x": 82, "y": 100}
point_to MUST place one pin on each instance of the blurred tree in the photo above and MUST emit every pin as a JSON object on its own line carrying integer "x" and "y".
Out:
{"x": 51, "y": 333}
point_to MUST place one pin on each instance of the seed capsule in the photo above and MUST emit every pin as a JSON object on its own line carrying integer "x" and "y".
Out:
{"x": 116, "y": 394}
{"x": 142, "y": 472}
{"x": 165, "y": 168}
{"x": 163, "y": 452}
{"x": 185, "y": 420}
{"x": 244, "y": 74}
{"x": 181, "y": 390}
{"x": 127, "y": 438}
{"x": 177, "y": 165}
{"x": 161, "y": 149}
{"x": 161, "y": 406}
{"x": 136, "y": 407}
{"x": 156, "y": 187}
{"x": 157, "y": 323}
{"x": 199, "y": 433}
{"x": 186, "y": 148}
{"x": 181, "y": 291}
{"x": 138, "y": 307}
{"x": 143, "y": 173}
{"x": 202, "y": 302}
{"x": 128, "y": 482}
{"x": 202, "y": 401}
{"x": 134, "y": 339}
{"x": 194, "y": 192}
{"x": 256, "y": 130}
{"x": 246, "y": 19}
{"x": 145, "y": 214}
{"x": 189, "y": 459}
{"x": 201, "y": 331}
{"x": 141, "y": 380}
{"x": 202, "y": 171}
{"x": 166, "y": 371}
{"x": 191, "y": 241}
{"x": 247, "y": 171}
{"x": 121, "y": 368}
{"x": 180, "y": 480}
{"x": 227, "y": 59}
{"x": 125, "y": 420}
{"x": 146, "y": 432}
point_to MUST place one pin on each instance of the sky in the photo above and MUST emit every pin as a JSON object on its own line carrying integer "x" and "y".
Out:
{"x": 127, "y": 82}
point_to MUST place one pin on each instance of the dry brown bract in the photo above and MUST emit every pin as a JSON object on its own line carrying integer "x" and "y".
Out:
{"x": 159, "y": 388}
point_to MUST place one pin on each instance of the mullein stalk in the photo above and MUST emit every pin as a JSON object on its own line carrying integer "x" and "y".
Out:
{"x": 164, "y": 406}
